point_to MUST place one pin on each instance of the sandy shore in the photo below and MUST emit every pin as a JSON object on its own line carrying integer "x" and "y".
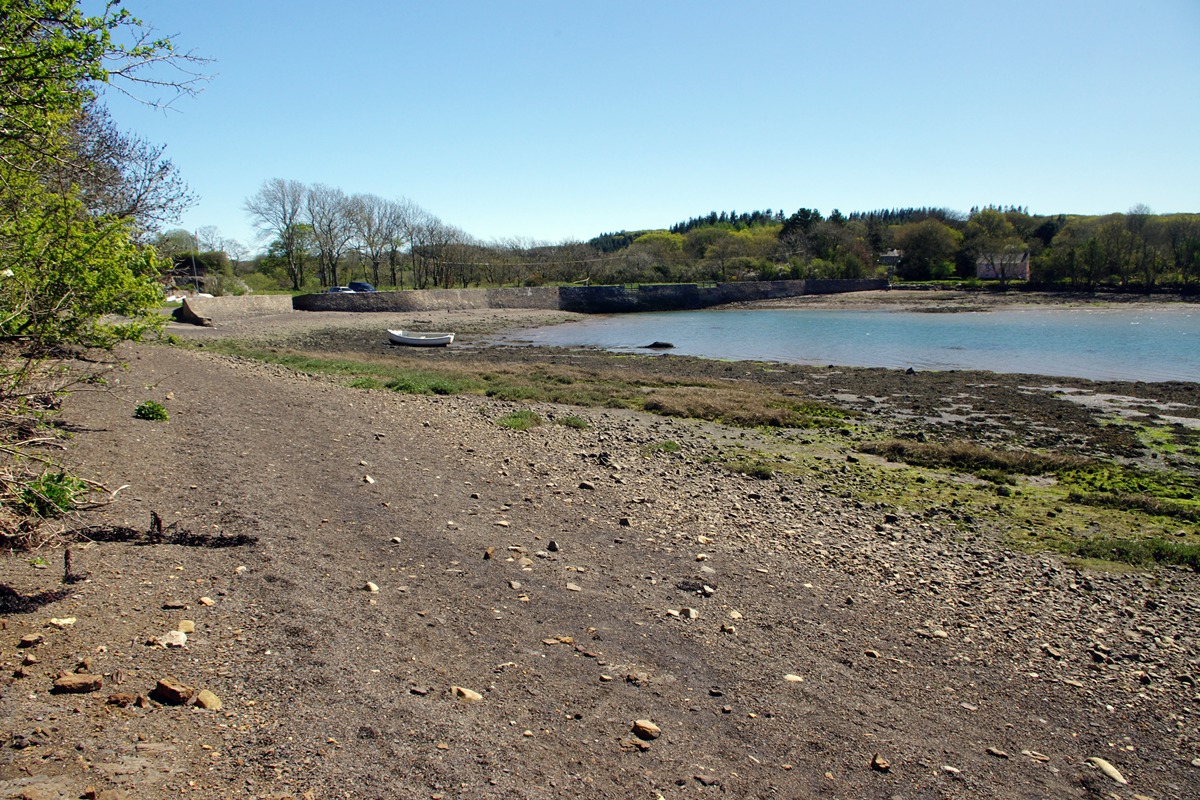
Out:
{"x": 394, "y": 595}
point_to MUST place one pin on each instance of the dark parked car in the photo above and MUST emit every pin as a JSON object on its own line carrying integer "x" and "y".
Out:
{"x": 339, "y": 290}
{"x": 361, "y": 286}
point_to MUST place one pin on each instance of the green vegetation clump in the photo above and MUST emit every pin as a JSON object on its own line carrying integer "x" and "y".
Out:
{"x": 152, "y": 410}
{"x": 1140, "y": 552}
{"x": 51, "y": 494}
{"x": 986, "y": 463}
{"x": 521, "y": 420}
{"x": 668, "y": 446}
{"x": 578, "y": 423}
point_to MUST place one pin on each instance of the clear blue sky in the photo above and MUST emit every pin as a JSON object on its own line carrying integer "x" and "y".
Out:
{"x": 563, "y": 119}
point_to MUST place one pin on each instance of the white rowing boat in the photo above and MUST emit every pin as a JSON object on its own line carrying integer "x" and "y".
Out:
{"x": 415, "y": 339}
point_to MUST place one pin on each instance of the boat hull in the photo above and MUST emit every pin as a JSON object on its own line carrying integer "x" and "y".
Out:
{"x": 415, "y": 339}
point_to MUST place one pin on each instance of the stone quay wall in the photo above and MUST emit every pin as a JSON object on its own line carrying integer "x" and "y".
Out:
{"x": 582, "y": 299}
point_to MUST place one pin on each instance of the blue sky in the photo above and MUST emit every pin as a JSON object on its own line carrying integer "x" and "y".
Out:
{"x": 562, "y": 120}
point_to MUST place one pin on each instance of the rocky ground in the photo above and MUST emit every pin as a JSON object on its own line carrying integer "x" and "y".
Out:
{"x": 393, "y": 596}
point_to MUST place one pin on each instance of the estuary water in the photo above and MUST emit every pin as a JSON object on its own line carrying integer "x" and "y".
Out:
{"x": 1128, "y": 343}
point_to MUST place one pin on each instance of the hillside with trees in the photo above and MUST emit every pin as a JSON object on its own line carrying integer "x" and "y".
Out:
{"x": 319, "y": 236}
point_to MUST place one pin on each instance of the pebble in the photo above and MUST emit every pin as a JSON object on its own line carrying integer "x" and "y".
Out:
{"x": 645, "y": 729}
{"x": 880, "y": 764}
{"x": 60, "y": 623}
{"x": 792, "y": 678}
{"x": 997, "y": 752}
{"x": 207, "y": 601}
{"x": 173, "y": 639}
{"x": 371, "y": 587}
{"x": 186, "y": 626}
{"x": 31, "y": 640}
{"x": 396, "y": 540}
{"x": 572, "y": 587}
{"x": 469, "y": 695}
{"x": 1108, "y": 769}
{"x": 172, "y": 692}
{"x": 588, "y": 485}
{"x": 78, "y": 683}
{"x": 208, "y": 700}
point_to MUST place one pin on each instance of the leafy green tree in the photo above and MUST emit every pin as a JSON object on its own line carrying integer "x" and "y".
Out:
{"x": 994, "y": 242}
{"x": 927, "y": 247}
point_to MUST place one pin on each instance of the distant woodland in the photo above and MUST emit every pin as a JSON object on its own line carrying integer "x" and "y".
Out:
{"x": 319, "y": 236}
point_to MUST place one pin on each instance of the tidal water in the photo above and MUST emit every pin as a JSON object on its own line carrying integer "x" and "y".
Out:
{"x": 1128, "y": 343}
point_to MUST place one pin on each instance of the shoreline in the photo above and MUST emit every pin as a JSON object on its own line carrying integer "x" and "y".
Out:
{"x": 426, "y": 602}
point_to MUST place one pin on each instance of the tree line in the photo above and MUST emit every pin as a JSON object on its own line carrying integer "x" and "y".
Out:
{"x": 320, "y": 236}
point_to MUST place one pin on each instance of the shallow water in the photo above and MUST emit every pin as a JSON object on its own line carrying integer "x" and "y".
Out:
{"x": 1147, "y": 343}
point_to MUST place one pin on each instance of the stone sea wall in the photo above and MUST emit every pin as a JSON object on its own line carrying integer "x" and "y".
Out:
{"x": 582, "y": 299}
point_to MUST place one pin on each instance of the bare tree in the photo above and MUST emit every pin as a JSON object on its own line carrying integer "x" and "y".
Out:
{"x": 328, "y": 213}
{"x": 375, "y": 226}
{"x": 276, "y": 212}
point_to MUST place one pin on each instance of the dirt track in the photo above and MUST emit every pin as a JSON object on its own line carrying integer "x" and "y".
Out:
{"x": 779, "y": 634}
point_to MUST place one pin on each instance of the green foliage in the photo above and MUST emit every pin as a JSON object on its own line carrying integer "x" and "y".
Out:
{"x": 578, "y": 423}
{"x": 1140, "y": 552}
{"x": 67, "y": 277}
{"x": 521, "y": 420}
{"x": 668, "y": 446}
{"x": 994, "y": 465}
{"x": 51, "y": 494}
{"x": 152, "y": 410}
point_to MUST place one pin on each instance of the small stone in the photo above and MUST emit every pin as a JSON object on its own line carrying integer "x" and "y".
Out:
{"x": 173, "y": 605}
{"x": 121, "y": 700}
{"x": 368, "y": 479}
{"x": 871, "y": 653}
{"x": 78, "y": 684}
{"x": 31, "y": 640}
{"x": 60, "y": 623}
{"x": 1035, "y": 755}
{"x": 790, "y": 678}
{"x": 489, "y": 553}
{"x": 207, "y": 601}
{"x": 469, "y": 695}
{"x": 949, "y": 770}
{"x": 186, "y": 626}
{"x": 1196, "y": 762}
{"x": 396, "y": 540}
{"x": 208, "y": 700}
{"x": 241, "y": 570}
{"x": 701, "y": 556}
{"x": 689, "y": 613}
{"x": 552, "y": 546}
{"x": 571, "y": 587}
{"x": 172, "y": 692}
{"x": 514, "y": 584}
{"x": 1108, "y": 769}
{"x": 173, "y": 639}
{"x": 735, "y": 615}
{"x": 645, "y": 729}
{"x": 880, "y": 764}
{"x": 371, "y": 587}
{"x": 29, "y": 660}
{"x": 587, "y": 485}
{"x": 997, "y": 752}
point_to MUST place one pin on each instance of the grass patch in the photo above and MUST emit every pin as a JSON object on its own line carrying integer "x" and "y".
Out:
{"x": 740, "y": 407}
{"x": 734, "y": 403}
{"x": 983, "y": 462}
{"x": 521, "y": 420}
{"x": 152, "y": 410}
{"x": 578, "y": 423}
{"x": 1140, "y": 552}
{"x": 668, "y": 446}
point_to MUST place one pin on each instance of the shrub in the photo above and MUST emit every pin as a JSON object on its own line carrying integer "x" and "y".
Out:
{"x": 51, "y": 494}
{"x": 152, "y": 410}
{"x": 521, "y": 420}
{"x": 578, "y": 423}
